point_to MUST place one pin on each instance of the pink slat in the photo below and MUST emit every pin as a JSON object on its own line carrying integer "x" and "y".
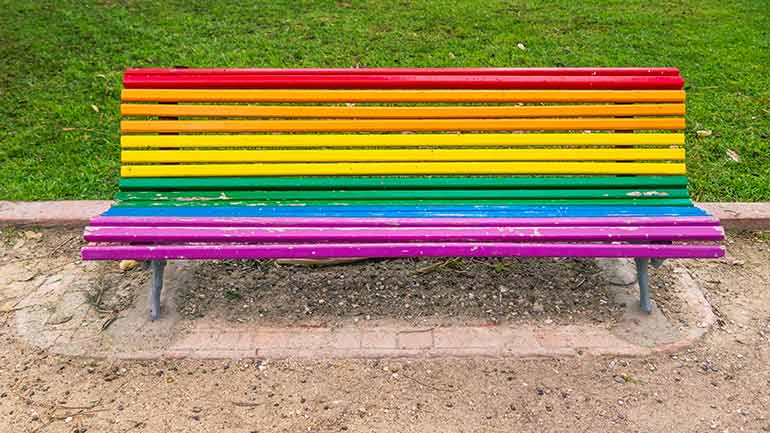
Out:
{"x": 400, "y": 234}
{"x": 268, "y": 81}
{"x": 406, "y": 71}
{"x": 221, "y": 252}
{"x": 398, "y": 222}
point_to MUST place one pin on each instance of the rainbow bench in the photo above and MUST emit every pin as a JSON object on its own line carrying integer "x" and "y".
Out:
{"x": 320, "y": 163}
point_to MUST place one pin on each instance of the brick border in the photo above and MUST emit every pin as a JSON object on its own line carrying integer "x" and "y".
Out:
{"x": 215, "y": 339}
{"x": 736, "y": 216}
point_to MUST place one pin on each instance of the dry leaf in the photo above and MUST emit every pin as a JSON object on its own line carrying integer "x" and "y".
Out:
{"x": 29, "y": 234}
{"x": 733, "y": 155}
{"x": 703, "y": 133}
{"x": 127, "y": 265}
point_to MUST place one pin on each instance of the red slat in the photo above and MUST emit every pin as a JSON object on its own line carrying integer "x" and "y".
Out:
{"x": 407, "y": 71}
{"x": 402, "y": 82}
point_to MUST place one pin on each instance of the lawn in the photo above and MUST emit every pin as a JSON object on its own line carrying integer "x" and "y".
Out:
{"x": 62, "y": 60}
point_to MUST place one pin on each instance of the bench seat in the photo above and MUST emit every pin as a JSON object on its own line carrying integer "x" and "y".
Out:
{"x": 356, "y": 235}
{"x": 337, "y": 163}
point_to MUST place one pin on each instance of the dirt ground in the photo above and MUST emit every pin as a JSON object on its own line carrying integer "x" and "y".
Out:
{"x": 722, "y": 383}
{"x": 428, "y": 292}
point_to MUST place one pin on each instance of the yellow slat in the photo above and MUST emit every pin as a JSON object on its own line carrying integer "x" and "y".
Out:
{"x": 165, "y": 110}
{"x": 359, "y": 155}
{"x": 303, "y": 95}
{"x": 400, "y": 140}
{"x": 402, "y": 168}
{"x": 183, "y": 126}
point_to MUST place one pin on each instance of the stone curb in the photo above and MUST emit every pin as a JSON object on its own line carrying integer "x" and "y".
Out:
{"x": 51, "y": 213}
{"x": 735, "y": 216}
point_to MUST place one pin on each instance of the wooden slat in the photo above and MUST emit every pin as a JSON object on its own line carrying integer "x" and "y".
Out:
{"x": 177, "y": 110}
{"x": 404, "y": 71}
{"x": 402, "y": 194}
{"x": 402, "y": 168}
{"x": 160, "y": 221}
{"x": 476, "y": 249}
{"x": 400, "y": 234}
{"x": 412, "y": 211}
{"x": 647, "y": 202}
{"x": 497, "y": 82}
{"x": 413, "y": 96}
{"x": 397, "y": 155}
{"x": 401, "y": 140}
{"x": 398, "y": 182}
{"x": 188, "y": 126}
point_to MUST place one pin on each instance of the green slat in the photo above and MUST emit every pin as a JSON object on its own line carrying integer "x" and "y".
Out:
{"x": 393, "y": 194}
{"x": 461, "y": 202}
{"x": 437, "y": 182}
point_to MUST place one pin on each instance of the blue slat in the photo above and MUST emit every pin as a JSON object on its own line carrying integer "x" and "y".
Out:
{"x": 411, "y": 211}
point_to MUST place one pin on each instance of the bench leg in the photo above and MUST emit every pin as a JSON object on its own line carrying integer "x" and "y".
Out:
{"x": 643, "y": 276}
{"x": 157, "y": 285}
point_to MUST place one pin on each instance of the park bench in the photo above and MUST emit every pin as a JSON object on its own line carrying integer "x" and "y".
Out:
{"x": 339, "y": 163}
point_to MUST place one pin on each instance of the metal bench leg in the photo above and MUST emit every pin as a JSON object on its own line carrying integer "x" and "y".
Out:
{"x": 157, "y": 285}
{"x": 643, "y": 276}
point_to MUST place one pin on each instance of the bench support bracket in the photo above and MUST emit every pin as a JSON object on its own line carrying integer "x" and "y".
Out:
{"x": 643, "y": 276}
{"x": 158, "y": 267}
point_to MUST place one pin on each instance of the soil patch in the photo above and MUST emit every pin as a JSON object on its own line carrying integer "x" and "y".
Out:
{"x": 428, "y": 291}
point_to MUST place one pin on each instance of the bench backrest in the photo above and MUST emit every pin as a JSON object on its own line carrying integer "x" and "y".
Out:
{"x": 575, "y": 136}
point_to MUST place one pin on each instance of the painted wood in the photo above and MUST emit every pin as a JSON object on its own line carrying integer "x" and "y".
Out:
{"x": 404, "y": 71}
{"x": 221, "y": 252}
{"x": 296, "y": 81}
{"x": 502, "y": 211}
{"x": 144, "y": 221}
{"x": 410, "y": 202}
{"x": 402, "y": 194}
{"x": 227, "y": 195}
{"x": 355, "y": 96}
{"x": 394, "y": 182}
{"x": 398, "y": 155}
{"x": 401, "y": 234}
{"x": 403, "y": 168}
{"x": 402, "y": 140}
{"x": 336, "y": 125}
{"x": 178, "y": 110}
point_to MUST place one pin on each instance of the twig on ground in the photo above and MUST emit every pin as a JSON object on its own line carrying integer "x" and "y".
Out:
{"x": 427, "y": 384}
{"x": 245, "y": 404}
{"x": 58, "y": 247}
{"x": 434, "y": 266}
{"x": 106, "y": 324}
{"x": 137, "y": 424}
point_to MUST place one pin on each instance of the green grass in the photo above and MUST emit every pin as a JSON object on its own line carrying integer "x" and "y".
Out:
{"x": 61, "y": 67}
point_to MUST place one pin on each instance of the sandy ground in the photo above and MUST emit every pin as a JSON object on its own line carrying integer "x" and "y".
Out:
{"x": 722, "y": 383}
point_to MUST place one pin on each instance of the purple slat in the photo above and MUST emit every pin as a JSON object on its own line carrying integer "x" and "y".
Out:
{"x": 222, "y": 252}
{"x": 399, "y": 234}
{"x": 400, "y": 222}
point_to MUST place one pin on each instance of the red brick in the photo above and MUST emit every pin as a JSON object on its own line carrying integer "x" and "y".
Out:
{"x": 378, "y": 338}
{"x": 345, "y": 338}
{"x": 469, "y": 337}
{"x": 417, "y": 339}
{"x": 289, "y": 338}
